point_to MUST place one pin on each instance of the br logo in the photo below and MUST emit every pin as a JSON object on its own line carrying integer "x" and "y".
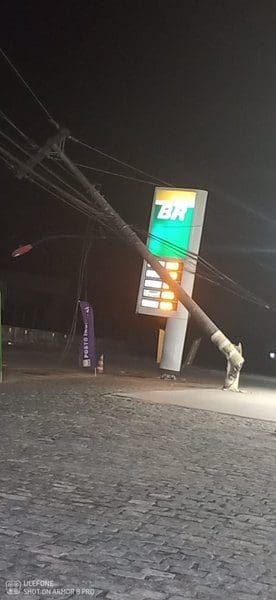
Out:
{"x": 13, "y": 587}
{"x": 171, "y": 212}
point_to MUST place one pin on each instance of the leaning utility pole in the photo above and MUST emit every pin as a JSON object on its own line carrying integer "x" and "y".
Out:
{"x": 230, "y": 351}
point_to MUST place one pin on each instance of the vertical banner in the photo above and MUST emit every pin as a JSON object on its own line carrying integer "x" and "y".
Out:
{"x": 88, "y": 345}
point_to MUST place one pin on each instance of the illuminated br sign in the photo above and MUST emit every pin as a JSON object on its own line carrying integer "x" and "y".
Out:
{"x": 175, "y": 229}
{"x": 171, "y": 222}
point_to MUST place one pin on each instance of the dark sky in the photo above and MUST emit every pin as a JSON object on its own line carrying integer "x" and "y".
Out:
{"x": 185, "y": 90}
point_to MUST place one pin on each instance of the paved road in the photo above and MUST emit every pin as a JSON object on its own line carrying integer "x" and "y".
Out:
{"x": 116, "y": 499}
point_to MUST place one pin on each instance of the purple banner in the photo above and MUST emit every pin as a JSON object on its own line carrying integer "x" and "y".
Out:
{"x": 88, "y": 346}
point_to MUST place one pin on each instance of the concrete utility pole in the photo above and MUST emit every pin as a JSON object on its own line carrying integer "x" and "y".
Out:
{"x": 230, "y": 351}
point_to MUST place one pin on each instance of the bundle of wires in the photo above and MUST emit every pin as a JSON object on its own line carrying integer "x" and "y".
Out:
{"x": 57, "y": 184}
{"x": 17, "y": 146}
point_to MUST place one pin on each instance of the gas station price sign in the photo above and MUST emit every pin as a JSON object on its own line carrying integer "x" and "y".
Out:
{"x": 172, "y": 234}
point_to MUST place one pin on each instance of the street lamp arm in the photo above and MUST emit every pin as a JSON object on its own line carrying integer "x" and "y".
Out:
{"x": 57, "y": 237}
{"x": 29, "y": 247}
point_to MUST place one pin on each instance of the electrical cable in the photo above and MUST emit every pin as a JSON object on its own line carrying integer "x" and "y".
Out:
{"x": 43, "y": 166}
{"x": 83, "y": 264}
{"x": 213, "y": 269}
{"x": 31, "y": 142}
{"x": 58, "y": 196}
{"x": 244, "y": 293}
{"x": 231, "y": 290}
{"x": 64, "y": 168}
{"x": 72, "y": 331}
{"x": 10, "y": 122}
{"x": 121, "y": 162}
{"x": 88, "y": 213}
{"x": 232, "y": 200}
{"x": 65, "y": 196}
{"x": 203, "y": 263}
{"x": 80, "y": 195}
{"x": 28, "y": 87}
{"x": 116, "y": 174}
{"x": 250, "y": 295}
{"x": 207, "y": 265}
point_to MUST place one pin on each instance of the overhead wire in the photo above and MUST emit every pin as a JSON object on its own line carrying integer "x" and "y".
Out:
{"x": 81, "y": 277}
{"x": 111, "y": 157}
{"x": 85, "y": 251}
{"x": 12, "y": 124}
{"x": 87, "y": 200}
{"x": 50, "y": 186}
{"x": 242, "y": 205}
{"x": 58, "y": 196}
{"x": 112, "y": 173}
{"x": 244, "y": 293}
{"x": 72, "y": 332}
{"x": 53, "y": 189}
{"x": 65, "y": 196}
{"x": 104, "y": 171}
{"x": 233, "y": 291}
{"x": 205, "y": 264}
{"x": 64, "y": 168}
{"x": 46, "y": 187}
{"x": 28, "y": 87}
{"x": 37, "y": 178}
{"x": 43, "y": 166}
{"x": 78, "y": 201}
{"x": 229, "y": 198}
{"x": 214, "y": 270}
{"x": 121, "y": 162}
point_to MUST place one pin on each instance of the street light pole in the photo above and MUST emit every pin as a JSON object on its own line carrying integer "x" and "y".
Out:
{"x": 217, "y": 337}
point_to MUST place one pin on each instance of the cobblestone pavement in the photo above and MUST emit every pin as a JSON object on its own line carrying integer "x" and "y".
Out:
{"x": 116, "y": 499}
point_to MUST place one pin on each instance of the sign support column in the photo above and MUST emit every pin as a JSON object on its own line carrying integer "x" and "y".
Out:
{"x": 176, "y": 327}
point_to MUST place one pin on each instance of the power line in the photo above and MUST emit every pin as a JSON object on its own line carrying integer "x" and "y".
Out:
{"x": 247, "y": 208}
{"x": 229, "y": 198}
{"x": 52, "y": 120}
{"x": 121, "y": 162}
{"x": 83, "y": 262}
{"x": 27, "y": 86}
{"x": 4, "y": 116}
{"x": 58, "y": 196}
{"x": 84, "y": 206}
{"x": 250, "y": 296}
{"x": 84, "y": 166}
{"x": 87, "y": 210}
{"x": 43, "y": 166}
{"x": 86, "y": 202}
{"x": 65, "y": 196}
{"x": 115, "y": 174}
{"x": 112, "y": 173}
{"x": 232, "y": 291}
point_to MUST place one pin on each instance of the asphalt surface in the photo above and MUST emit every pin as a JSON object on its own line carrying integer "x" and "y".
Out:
{"x": 106, "y": 497}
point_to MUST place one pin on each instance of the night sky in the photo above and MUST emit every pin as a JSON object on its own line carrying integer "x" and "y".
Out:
{"x": 185, "y": 90}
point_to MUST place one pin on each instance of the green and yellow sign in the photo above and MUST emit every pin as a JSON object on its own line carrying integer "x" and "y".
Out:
{"x": 176, "y": 213}
{"x": 171, "y": 222}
